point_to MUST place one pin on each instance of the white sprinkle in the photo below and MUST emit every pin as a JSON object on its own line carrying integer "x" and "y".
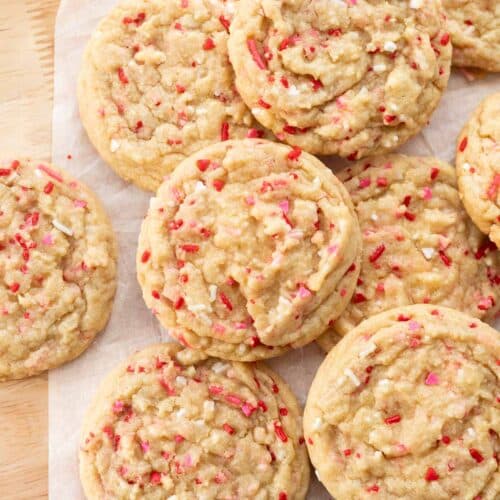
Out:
{"x": 199, "y": 186}
{"x": 416, "y": 4}
{"x": 198, "y": 307}
{"x": 374, "y": 217}
{"x": 213, "y": 292}
{"x": 370, "y": 347}
{"x": 350, "y": 374}
{"x": 379, "y": 68}
{"x": 378, "y": 455}
{"x": 209, "y": 406}
{"x": 471, "y": 432}
{"x": 317, "y": 474}
{"x": 340, "y": 381}
{"x": 428, "y": 252}
{"x": 384, "y": 382}
{"x": 114, "y": 146}
{"x": 317, "y": 182}
{"x": 293, "y": 90}
{"x": 64, "y": 229}
{"x": 204, "y": 318}
{"x": 466, "y": 166}
{"x": 38, "y": 173}
{"x": 181, "y": 413}
{"x": 317, "y": 424}
{"x": 181, "y": 380}
{"x": 390, "y": 46}
{"x": 172, "y": 497}
{"x": 219, "y": 367}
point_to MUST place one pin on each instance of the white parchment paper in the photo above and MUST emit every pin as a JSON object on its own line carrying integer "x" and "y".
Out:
{"x": 132, "y": 326}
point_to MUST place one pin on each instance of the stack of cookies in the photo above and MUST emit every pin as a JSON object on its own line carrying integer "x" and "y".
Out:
{"x": 252, "y": 247}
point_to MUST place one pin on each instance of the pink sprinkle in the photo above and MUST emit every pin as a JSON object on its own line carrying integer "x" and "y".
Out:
{"x": 250, "y": 200}
{"x": 363, "y": 183}
{"x": 413, "y": 326}
{"x": 247, "y": 409}
{"x": 48, "y": 239}
{"x": 188, "y": 461}
{"x": 240, "y": 326}
{"x": 304, "y": 292}
{"x": 285, "y": 206}
{"x": 219, "y": 328}
{"x": 333, "y": 249}
{"x": 427, "y": 194}
{"x": 80, "y": 204}
{"x": 50, "y": 172}
{"x": 432, "y": 379}
{"x": 235, "y": 400}
{"x": 145, "y": 446}
{"x": 117, "y": 406}
{"x": 340, "y": 103}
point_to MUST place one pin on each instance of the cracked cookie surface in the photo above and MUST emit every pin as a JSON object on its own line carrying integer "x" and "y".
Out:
{"x": 156, "y": 85}
{"x": 167, "y": 425}
{"x": 478, "y": 167}
{"x": 347, "y": 78}
{"x": 407, "y": 406}
{"x": 419, "y": 244}
{"x": 249, "y": 248}
{"x": 57, "y": 268}
{"x": 475, "y": 32}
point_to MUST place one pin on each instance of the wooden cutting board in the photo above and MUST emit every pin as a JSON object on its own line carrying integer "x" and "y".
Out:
{"x": 26, "y": 68}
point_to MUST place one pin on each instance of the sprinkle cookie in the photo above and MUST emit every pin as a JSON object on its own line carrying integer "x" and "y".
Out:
{"x": 349, "y": 78}
{"x": 57, "y": 268}
{"x": 475, "y": 32}
{"x": 419, "y": 244}
{"x": 407, "y": 406}
{"x": 249, "y": 248}
{"x": 478, "y": 167}
{"x": 156, "y": 86}
{"x": 165, "y": 426}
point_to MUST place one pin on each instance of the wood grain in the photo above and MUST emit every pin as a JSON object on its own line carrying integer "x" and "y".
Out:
{"x": 26, "y": 69}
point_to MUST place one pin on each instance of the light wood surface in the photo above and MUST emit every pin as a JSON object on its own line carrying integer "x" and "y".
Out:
{"x": 26, "y": 63}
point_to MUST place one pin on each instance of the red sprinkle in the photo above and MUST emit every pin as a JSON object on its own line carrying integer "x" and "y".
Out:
{"x": 409, "y": 216}
{"x": 446, "y": 260}
{"x": 280, "y": 432}
{"x": 358, "y": 298}
{"x": 463, "y": 144}
{"x": 377, "y": 253}
{"x": 263, "y": 104}
{"x": 14, "y": 287}
{"x": 155, "y": 294}
{"x": 228, "y": 429}
{"x": 224, "y": 131}
{"x": 122, "y": 76}
{"x": 394, "y": 419}
{"x": 283, "y": 412}
{"x": 218, "y": 184}
{"x": 224, "y": 299}
{"x": 476, "y": 455}
{"x": 446, "y": 440}
{"x": 382, "y": 182}
{"x": 431, "y": 475}
{"x": 203, "y": 164}
{"x": 347, "y": 452}
{"x": 225, "y": 22}
{"x": 282, "y": 496}
{"x": 295, "y": 153}
{"x": 155, "y": 477}
{"x": 190, "y": 248}
{"x": 179, "y": 303}
{"x": 48, "y": 187}
{"x": 434, "y": 173}
{"x": 5, "y": 172}
{"x": 259, "y": 61}
{"x": 145, "y": 256}
{"x": 209, "y": 44}
{"x": 445, "y": 39}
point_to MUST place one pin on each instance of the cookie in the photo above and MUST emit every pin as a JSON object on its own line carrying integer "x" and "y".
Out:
{"x": 156, "y": 85}
{"x": 475, "y": 32}
{"x": 166, "y": 425}
{"x": 346, "y": 78}
{"x": 249, "y": 248}
{"x": 407, "y": 406}
{"x": 478, "y": 167}
{"x": 419, "y": 244}
{"x": 57, "y": 268}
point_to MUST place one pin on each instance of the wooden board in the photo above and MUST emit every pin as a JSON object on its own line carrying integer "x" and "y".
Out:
{"x": 26, "y": 68}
